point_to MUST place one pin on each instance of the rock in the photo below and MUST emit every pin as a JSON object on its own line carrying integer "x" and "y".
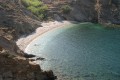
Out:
{"x": 1, "y": 48}
{"x": 116, "y": 22}
{"x": 40, "y": 58}
{"x": 41, "y": 77}
{"x": 50, "y": 75}
{"x": 22, "y": 69}
{"x": 8, "y": 74}
{"x": 1, "y": 77}
{"x": 8, "y": 79}
{"x": 28, "y": 55}
{"x": 32, "y": 60}
{"x": 57, "y": 17}
{"x": 86, "y": 75}
{"x": 108, "y": 11}
{"x": 20, "y": 78}
{"x": 5, "y": 43}
{"x": 31, "y": 76}
{"x": 35, "y": 67}
{"x": 17, "y": 24}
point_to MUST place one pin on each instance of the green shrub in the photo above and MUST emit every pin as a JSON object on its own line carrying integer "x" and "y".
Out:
{"x": 41, "y": 16}
{"x": 66, "y": 9}
{"x": 34, "y": 3}
{"x": 34, "y": 10}
{"x": 36, "y": 7}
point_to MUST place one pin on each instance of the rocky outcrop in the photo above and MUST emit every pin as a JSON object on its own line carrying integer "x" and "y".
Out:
{"x": 108, "y": 11}
{"x": 83, "y": 11}
{"x": 16, "y": 68}
{"x": 14, "y": 22}
{"x": 100, "y": 11}
{"x": 14, "y": 17}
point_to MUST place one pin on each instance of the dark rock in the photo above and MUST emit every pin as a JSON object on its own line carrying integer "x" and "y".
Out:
{"x": 50, "y": 75}
{"x": 29, "y": 55}
{"x": 116, "y": 22}
{"x": 8, "y": 78}
{"x": 86, "y": 75}
{"x": 35, "y": 67}
{"x": 7, "y": 74}
{"x": 40, "y": 77}
{"x": 40, "y": 58}
{"x": 108, "y": 11}
{"x": 31, "y": 76}
{"x": 1, "y": 77}
{"x": 32, "y": 60}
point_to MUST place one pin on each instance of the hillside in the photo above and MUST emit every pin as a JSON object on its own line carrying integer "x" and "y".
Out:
{"x": 101, "y": 11}
{"x": 13, "y": 24}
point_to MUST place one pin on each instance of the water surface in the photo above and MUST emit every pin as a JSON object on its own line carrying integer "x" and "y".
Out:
{"x": 82, "y": 51}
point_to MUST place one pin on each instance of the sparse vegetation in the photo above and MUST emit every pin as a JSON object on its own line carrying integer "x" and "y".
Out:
{"x": 3, "y": 6}
{"x": 66, "y": 9}
{"x": 36, "y": 7}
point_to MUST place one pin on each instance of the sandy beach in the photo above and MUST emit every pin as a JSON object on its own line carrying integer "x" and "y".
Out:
{"x": 46, "y": 26}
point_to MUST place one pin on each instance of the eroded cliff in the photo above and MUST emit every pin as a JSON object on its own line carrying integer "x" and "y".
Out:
{"x": 108, "y": 11}
{"x": 15, "y": 22}
{"x": 99, "y": 11}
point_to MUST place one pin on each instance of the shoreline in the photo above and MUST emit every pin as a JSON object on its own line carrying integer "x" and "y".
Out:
{"x": 23, "y": 42}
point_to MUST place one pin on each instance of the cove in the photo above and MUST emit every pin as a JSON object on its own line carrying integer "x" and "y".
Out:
{"x": 82, "y": 51}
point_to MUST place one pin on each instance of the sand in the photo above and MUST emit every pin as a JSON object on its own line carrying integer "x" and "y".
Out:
{"x": 46, "y": 26}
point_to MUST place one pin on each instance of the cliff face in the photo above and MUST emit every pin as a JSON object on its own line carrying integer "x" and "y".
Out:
{"x": 15, "y": 22}
{"x": 15, "y": 68}
{"x": 102, "y": 11}
{"x": 108, "y": 11}
{"x": 14, "y": 18}
{"x": 83, "y": 10}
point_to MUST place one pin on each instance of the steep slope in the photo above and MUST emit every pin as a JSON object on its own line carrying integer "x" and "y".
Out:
{"x": 108, "y": 11}
{"x": 13, "y": 16}
{"x": 101, "y": 11}
{"x": 16, "y": 68}
{"x": 15, "y": 22}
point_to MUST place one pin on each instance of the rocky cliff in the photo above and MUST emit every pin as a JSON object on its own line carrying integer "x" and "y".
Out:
{"x": 15, "y": 22}
{"x": 101, "y": 11}
{"x": 108, "y": 11}
{"x": 16, "y": 19}
{"x": 18, "y": 68}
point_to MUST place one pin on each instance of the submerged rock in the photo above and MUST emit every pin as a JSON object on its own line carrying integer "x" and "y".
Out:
{"x": 29, "y": 55}
{"x": 40, "y": 58}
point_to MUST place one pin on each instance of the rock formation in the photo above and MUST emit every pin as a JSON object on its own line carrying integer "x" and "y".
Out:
{"x": 108, "y": 11}
{"x": 101, "y": 11}
{"x": 16, "y": 68}
{"x": 14, "y": 22}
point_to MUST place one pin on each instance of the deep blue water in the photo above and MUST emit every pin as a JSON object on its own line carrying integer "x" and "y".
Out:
{"x": 82, "y": 51}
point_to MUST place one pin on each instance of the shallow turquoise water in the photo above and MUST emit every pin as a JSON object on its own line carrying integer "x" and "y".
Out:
{"x": 83, "y": 51}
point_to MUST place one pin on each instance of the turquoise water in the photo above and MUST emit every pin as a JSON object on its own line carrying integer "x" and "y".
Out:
{"x": 83, "y": 51}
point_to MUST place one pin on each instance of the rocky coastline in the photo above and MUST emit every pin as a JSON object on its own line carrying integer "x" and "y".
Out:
{"x": 14, "y": 63}
{"x": 19, "y": 68}
{"x": 16, "y": 23}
